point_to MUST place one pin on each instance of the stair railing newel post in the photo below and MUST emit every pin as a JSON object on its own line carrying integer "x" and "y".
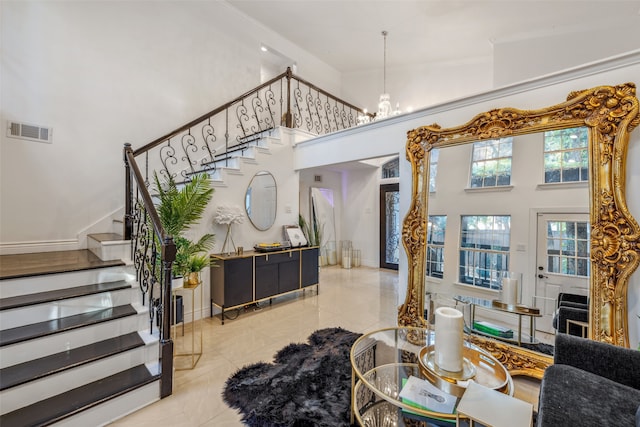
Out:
{"x": 166, "y": 344}
{"x": 128, "y": 200}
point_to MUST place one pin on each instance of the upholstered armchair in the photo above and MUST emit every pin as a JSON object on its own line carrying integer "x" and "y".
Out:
{"x": 591, "y": 383}
{"x": 571, "y": 307}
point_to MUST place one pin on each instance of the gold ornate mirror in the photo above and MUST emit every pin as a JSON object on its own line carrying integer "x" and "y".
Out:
{"x": 609, "y": 113}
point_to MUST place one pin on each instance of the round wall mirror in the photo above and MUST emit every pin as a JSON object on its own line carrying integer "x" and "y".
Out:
{"x": 260, "y": 200}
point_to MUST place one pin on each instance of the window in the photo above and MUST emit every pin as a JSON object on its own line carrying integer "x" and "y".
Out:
{"x": 566, "y": 158}
{"x": 484, "y": 249}
{"x": 391, "y": 169}
{"x": 491, "y": 163}
{"x": 433, "y": 169}
{"x": 435, "y": 245}
{"x": 568, "y": 248}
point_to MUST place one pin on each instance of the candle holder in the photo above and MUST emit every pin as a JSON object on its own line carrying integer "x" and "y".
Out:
{"x": 511, "y": 287}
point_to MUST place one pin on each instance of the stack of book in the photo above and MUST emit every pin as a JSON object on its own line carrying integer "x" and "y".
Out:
{"x": 491, "y": 329}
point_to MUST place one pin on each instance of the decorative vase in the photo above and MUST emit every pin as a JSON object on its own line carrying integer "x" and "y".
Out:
{"x": 192, "y": 279}
{"x": 228, "y": 241}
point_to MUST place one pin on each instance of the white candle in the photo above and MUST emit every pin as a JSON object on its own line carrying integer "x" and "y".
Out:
{"x": 449, "y": 339}
{"x": 346, "y": 261}
{"x": 510, "y": 291}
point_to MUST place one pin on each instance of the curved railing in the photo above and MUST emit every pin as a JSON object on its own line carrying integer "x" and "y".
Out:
{"x": 200, "y": 146}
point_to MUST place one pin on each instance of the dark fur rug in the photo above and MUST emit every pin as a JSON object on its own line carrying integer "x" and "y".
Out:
{"x": 306, "y": 385}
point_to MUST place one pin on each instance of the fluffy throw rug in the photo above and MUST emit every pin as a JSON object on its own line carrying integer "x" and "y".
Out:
{"x": 306, "y": 385}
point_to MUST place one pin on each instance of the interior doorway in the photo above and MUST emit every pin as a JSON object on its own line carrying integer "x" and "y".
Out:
{"x": 389, "y": 226}
{"x": 562, "y": 261}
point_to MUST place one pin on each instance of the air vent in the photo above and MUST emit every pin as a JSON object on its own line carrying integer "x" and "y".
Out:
{"x": 317, "y": 178}
{"x": 29, "y": 132}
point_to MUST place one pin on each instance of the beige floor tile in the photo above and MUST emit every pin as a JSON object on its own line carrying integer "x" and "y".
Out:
{"x": 359, "y": 299}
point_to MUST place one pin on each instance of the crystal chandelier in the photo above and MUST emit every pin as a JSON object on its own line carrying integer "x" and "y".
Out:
{"x": 384, "y": 105}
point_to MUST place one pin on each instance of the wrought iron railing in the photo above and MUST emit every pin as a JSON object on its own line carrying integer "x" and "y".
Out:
{"x": 208, "y": 141}
{"x": 199, "y": 146}
{"x": 153, "y": 253}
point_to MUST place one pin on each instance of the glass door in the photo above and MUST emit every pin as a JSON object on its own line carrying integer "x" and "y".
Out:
{"x": 389, "y": 226}
{"x": 562, "y": 261}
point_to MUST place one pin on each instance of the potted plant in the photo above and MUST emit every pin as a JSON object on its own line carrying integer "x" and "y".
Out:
{"x": 195, "y": 264}
{"x": 180, "y": 207}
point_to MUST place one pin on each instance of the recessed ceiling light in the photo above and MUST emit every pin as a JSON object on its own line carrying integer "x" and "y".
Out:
{"x": 264, "y": 49}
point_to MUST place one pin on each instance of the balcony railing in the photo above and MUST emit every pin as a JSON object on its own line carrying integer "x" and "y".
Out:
{"x": 208, "y": 141}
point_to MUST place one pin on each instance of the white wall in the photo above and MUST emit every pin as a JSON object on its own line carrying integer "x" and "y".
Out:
{"x": 361, "y": 215}
{"x": 518, "y": 60}
{"x": 101, "y": 74}
{"x": 420, "y": 85}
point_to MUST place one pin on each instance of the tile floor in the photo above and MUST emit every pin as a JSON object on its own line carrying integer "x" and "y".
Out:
{"x": 360, "y": 299}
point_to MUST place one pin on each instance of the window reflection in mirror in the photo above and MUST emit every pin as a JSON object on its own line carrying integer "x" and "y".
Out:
{"x": 490, "y": 212}
{"x": 260, "y": 200}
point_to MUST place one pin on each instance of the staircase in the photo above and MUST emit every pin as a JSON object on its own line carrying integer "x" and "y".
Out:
{"x": 75, "y": 347}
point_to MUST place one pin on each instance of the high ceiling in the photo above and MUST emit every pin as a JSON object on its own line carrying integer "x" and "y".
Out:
{"x": 346, "y": 34}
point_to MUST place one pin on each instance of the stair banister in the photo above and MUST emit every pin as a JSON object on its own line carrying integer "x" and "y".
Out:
{"x": 167, "y": 255}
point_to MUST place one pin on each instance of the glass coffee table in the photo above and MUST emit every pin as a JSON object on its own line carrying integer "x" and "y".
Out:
{"x": 386, "y": 362}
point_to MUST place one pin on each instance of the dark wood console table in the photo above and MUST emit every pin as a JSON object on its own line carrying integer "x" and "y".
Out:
{"x": 240, "y": 280}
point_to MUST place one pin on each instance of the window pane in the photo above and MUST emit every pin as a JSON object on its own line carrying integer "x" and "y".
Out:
{"x": 569, "y": 247}
{"x": 563, "y": 238}
{"x": 484, "y": 249}
{"x": 551, "y": 142}
{"x": 435, "y": 245}
{"x": 506, "y": 150}
{"x": 565, "y": 155}
{"x": 391, "y": 169}
{"x": 583, "y": 267}
{"x": 553, "y": 246}
{"x": 491, "y": 163}
{"x": 582, "y": 230}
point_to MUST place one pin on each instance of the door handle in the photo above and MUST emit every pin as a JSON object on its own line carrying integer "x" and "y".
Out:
{"x": 542, "y": 276}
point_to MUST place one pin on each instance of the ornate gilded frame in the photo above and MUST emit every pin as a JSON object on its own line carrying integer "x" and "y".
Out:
{"x": 610, "y": 113}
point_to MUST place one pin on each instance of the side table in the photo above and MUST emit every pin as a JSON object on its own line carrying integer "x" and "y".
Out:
{"x": 188, "y": 348}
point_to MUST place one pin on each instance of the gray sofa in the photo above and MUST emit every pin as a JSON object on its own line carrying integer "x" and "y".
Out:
{"x": 590, "y": 384}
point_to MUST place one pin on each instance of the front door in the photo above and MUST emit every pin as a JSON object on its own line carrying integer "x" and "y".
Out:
{"x": 562, "y": 261}
{"x": 389, "y": 226}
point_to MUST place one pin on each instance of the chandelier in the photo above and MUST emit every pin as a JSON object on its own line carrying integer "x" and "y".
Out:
{"x": 384, "y": 104}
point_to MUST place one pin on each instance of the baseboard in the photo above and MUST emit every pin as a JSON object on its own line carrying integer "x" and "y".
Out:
{"x": 40, "y": 246}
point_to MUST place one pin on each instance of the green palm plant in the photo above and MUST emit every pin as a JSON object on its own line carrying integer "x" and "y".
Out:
{"x": 179, "y": 208}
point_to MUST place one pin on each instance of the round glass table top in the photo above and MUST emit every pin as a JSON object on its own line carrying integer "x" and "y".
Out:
{"x": 384, "y": 362}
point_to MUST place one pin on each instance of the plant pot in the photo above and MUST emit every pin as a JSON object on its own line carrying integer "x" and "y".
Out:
{"x": 192, "y": 279}
{"x": 177, "y": 282}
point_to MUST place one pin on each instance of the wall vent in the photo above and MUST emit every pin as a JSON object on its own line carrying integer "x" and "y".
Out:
{"x": 317, "y": 178}
{"x": 29, "y": 132}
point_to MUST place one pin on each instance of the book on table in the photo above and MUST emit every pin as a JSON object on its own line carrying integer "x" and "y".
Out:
{"x": 491, "y": 329}
{"x": 422, "y": 394}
